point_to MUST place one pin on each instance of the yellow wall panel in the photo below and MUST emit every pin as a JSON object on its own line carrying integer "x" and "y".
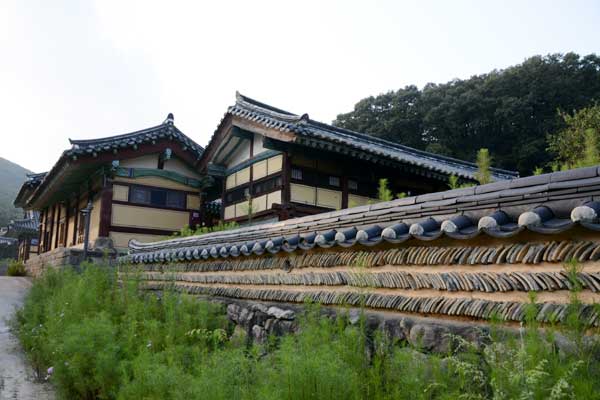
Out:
{"x": 303, "y": 194}
{"x": 193, "y": 202}
{"x": 120, "y": 192}
{"x": 229, "y": 212}
{"x": 241, "y": 209}
{"x": 275, "y": 164}
{"x": 259, "y": 204}
{"x": 146, "y": 217}
{"x": 329, "y": 198}
{"x": 242, "y": 176}
{"x": 230, "y": 181}
{"x": 259, "y": 170}
{"x": 157, "y": 182}
{"x": 355, "y": 200}
{"x": 121, "y": 239}
{"x": 273, "y": 198}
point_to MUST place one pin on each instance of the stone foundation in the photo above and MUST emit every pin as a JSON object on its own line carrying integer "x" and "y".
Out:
{"x": 102, "y": 253}
{"x": 258, "y": 320}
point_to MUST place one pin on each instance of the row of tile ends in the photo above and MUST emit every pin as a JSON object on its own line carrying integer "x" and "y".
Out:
{"x": 499, "y": 225}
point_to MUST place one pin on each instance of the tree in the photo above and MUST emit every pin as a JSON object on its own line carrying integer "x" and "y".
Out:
{"x": 577, "y": 145}
{"x": 484, "y": 163}
{"x": 383, "y": 192}
{"x": 510, "y": 111}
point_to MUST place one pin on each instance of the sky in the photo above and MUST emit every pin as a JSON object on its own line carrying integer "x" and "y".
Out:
{"x": 88, "y": 69}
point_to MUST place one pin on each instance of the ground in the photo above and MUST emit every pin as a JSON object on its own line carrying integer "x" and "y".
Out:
{"x": 17, "y": 380}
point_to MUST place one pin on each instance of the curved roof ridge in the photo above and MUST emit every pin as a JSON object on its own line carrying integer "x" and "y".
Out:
{"x": 240, "y": 98}
{"x": 408, "y": 149}
{"x": 115, "y": 137}
{"x": 305, "y": 124}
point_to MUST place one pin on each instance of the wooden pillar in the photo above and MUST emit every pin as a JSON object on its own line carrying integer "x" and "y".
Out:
{"x": 51, "y": 228}
{"x": 57, "y": 231}
{"x": 27, "y": 249}
{"x": 76, "y": 220}
{"x": 224, "y": 180}
{"x": 105, "y": 210}
{"x": 286, "y": 174}
{"x": 67, "y": 216}
{"x": 344, "y": 183}
{"x": 41, "y": 229}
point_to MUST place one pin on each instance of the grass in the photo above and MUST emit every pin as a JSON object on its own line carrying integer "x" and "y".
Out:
{"x": 109, "y": 340}
{"x": 16, "y": 268}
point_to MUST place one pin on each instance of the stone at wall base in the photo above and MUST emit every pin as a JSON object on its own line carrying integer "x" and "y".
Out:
{"x": 262, "y": 319}
{"x": 103, "y": 252}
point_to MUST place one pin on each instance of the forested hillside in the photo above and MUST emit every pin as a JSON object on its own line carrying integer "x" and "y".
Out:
{"x": 511, "y": 111}
{"x": 11, "y": 178}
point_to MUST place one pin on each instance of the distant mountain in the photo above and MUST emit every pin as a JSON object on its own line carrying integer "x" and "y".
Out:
{"x": 12, "y": 177}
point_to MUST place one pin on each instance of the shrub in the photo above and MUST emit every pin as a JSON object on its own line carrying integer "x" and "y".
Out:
{"x": 105, "y": 338}
{"x": 16, "y": 268}
{"x": 221, "y": 226}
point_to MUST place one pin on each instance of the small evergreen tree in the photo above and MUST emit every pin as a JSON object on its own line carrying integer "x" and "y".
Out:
{"x": 383, "y": 192}
{"x": 579, "y": 138}
{"x": 591, "y": 155}
{"x": 484, "y": 163}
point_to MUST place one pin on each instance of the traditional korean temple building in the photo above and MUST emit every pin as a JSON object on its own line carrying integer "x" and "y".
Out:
{"x": 26, "y": 229}
{"x": 262, "y": 164}
{"x": 458, "y": 256}
{"x": 26, "y": 232}
{"x": 280, "y": 165}
{"x": 143, "y": 185}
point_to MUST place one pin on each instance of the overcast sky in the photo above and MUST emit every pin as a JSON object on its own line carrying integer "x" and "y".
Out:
{"x": 77, "y": 69}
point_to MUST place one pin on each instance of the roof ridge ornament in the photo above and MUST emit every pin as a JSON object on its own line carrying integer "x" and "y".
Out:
{"x": 170, "y": 119}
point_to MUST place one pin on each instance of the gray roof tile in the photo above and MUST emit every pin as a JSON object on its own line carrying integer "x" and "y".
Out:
{"x": 522, "y": 197}
{"x": 318, "y": 134}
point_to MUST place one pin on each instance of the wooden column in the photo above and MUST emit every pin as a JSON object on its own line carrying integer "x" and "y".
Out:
{"x": 67, "y": 216}
{"x": 27, "y": 249}
{"x": 57, "y": 232}
{"x": 286, "y": 175}
{"x": 105, "y": 210}
{"x": 76, "y": 220}
{"x": 51, "y": 229}
{"x": 41, "y": 229}
{"x": 224, "y": 180}
{"x": 344, "y": 183}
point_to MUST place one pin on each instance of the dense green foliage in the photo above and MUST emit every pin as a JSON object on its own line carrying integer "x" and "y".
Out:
{"x": 16, "y": 268}
{"x": 508, "y": 111}
{"x": 201, "y": 230}
{"x": 578, "y": 144}
{"x": 105, "y": 340}
{"x": 12, "y": 177}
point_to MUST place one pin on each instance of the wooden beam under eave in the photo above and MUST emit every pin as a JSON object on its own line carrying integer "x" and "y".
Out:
{"x": 261, "y": 129}
{"x": 105, "y": 210}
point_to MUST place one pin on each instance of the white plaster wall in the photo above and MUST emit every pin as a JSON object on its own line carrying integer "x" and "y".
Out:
{"x": 147, "y": 161}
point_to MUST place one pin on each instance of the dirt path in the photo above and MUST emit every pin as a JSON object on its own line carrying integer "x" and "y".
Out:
{"x": 16, "y": 376}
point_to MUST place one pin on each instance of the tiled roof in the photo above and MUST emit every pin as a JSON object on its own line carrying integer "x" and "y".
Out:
{"x": 7, "y": 241}
{"x": 30, "y": 184}
{"x": 27, "y": 226}
{"x": 93, "y": 147}
{"x": 546, "y": 204}
{"x": 165, "y": 130}
{"x": 317, "y": 134}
